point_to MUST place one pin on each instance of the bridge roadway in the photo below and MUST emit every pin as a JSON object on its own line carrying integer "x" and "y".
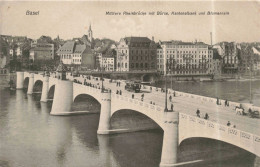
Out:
{"x": 217, "y": 113}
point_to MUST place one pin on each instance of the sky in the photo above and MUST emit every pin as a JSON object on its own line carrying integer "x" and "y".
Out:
{"x": 72, "y": 19}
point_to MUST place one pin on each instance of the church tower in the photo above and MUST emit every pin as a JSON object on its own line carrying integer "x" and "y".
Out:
{"x": 90, "y": 34}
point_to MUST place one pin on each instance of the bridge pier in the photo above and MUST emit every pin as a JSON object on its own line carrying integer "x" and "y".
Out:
{"x": 45, "y": 89}
{"x": 257, "y": 161}
{"x": 19, "y": 80}
{"x": 170, "y": 139}
{"x": 31, "y": 83}
{"x": 105, "y": 113}
{"x": 63, "y": 98}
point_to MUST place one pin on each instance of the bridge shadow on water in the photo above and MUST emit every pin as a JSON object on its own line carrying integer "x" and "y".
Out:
{"x": 211, "y": 153}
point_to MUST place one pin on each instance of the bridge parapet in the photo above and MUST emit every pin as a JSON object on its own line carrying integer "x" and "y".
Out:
{"x": 191, "y": 126}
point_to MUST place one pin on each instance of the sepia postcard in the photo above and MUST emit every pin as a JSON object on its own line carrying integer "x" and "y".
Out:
{"x": 130, "y": 83}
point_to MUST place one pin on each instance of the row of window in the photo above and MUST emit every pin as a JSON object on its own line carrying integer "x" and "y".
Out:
{"x": 137, "y": 51}
{"x": 186, "y": 46}
{"x": 142, "y": 57}
{"x": 135, "y": 65}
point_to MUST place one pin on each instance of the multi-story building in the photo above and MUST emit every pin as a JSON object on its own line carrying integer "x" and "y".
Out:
{"x": 42, "y": 51}
{"x": 72, "y": 53}
{"x": 108, "y": 63}
{"x": 160, "y": 59}
{"x": 98, "y": 60}
{"x": 186, "y": 58}
{"x": 229, "y": 54}
{"x": 136, "y": 54}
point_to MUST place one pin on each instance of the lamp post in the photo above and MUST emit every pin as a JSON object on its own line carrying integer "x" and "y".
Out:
{"x": 102, "y": 87}
{"x": 166, "y": 107}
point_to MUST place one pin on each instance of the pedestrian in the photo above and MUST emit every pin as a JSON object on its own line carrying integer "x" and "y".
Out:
{"x": 198, "y": 112}
{"x": 151, "y": 88}
{"x": 226, "y": 103}
{"x": 172, "y": 107}
{"x": 116, "y": 91}
{"x": 174, "y": 94}
{"x": 120, "y": 92}
{"x": 206, "y": 116}
{"x": 151, "y": 102}
{"x": 133, "y": 96}
{"x": 234, "y": 126}
{"x": 142, "y": 96}
{"x": 170, "y": 98}
{"x": 228, "y": 124}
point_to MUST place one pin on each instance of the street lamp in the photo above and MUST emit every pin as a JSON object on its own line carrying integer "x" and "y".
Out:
{"x": 102, "y": 87}
{"x": 166, "y": 108}
{"x": 250, "y": 85}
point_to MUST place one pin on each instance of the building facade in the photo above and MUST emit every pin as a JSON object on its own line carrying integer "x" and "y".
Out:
{"x": 185, "y": 58}
{"x": 230, "y": 58}
{"x": 136, "y": 54}
{"x": 108, "y": 63}
{"x": 72, "y": 53}
{"x": 42, "y": 51}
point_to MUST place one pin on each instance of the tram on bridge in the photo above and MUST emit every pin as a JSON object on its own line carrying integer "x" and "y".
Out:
{"x": 133, "y": 86}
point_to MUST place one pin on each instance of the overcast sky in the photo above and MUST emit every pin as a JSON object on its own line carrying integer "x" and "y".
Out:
{"x": 72, "y": 19}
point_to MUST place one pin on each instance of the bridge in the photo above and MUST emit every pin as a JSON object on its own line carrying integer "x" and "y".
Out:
{"x": 178, "y": 125}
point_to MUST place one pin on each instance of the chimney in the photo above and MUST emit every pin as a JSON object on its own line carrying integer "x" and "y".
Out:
{"x": 211, "y": 38}
{"x": 152, "y": 38}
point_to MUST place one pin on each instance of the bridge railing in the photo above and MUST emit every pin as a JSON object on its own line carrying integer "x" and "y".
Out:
{"x": 222, "y": 132}
{"x": 200, "y": 99}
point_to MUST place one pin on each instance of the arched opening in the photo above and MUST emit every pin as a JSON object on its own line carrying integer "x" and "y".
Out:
{"x": 26, "y": 83}
{"x": 132, "y": 120}
{"x": 147, "y": 78}
{"x": 37, "y": 89}
{"x": 51, "y": 92}
{"x": 142, "y": 148}
{"x": 210, "y": 151}
{"x": 84, "y": 102}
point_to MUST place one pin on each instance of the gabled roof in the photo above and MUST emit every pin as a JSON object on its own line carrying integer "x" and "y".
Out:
{"x": 67, "y": 48}
{"x": 137, "y": 39}
{"x": 79, "y": 48}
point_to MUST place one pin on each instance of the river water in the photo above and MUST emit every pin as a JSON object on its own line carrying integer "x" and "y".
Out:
{"x": 31, "y": 137}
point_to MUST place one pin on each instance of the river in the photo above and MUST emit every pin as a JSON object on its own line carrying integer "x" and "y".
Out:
{"x": 30, "y": 136}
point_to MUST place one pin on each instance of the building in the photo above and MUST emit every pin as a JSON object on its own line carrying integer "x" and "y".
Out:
{"x": 98, "y": 59}
{"x": 136, "y": 54}
{"x": 230, "y": 58}
{"x": 217, "y": 63}
{"x": 108, "y": 63}
{"x": 185, "y": 58}
{"x": 41, "y": 51}
{"x": 72, "y": 53}
{"x": 160, "y": 59}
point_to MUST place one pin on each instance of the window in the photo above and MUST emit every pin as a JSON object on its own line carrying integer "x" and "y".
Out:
{"x": 125, "y": 65}
{"x": 136, "y": 65}
{"x": 141, "y": 65}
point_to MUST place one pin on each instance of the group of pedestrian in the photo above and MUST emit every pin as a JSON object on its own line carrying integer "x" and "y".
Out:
{"x": 218, "y": 101}
{"x": 119, "y": 92}
{"x": 226, "y": 103}
{"x": 229, "y": 124}
{"x": 198, "y": 114}
{"x": 151, "y": 102}
{"x": 118, "y": 84}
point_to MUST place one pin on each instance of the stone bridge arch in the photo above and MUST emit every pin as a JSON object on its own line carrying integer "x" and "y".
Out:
{"x": 132, "y": 120}
{"x": 193, "y": 127}
{"x": 155, "y": 113}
